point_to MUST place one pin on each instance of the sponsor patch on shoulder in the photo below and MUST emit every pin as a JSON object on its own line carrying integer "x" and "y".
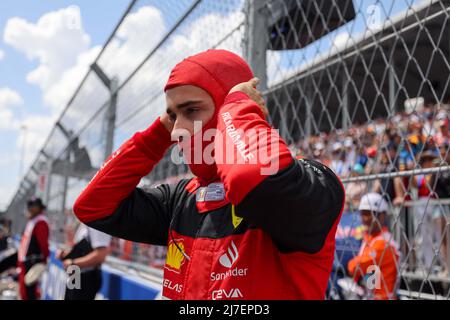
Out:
{"x": 213, "y": 192}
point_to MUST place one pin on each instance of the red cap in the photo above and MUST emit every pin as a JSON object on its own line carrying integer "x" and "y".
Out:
{"x": 371, "y": 152}
{"x": 215, "y": 71}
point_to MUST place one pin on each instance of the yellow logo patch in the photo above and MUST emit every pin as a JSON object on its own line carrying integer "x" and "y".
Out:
{"x": 235, "y": 219}
{"x": 175, "y": 257}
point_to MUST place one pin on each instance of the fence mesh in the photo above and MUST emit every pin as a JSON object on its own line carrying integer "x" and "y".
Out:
{"x": 361, "y": 86}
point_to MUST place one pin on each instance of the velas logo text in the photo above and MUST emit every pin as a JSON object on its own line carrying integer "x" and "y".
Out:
{"x": 177, "y": 287}
{"x": 234, "y": 146}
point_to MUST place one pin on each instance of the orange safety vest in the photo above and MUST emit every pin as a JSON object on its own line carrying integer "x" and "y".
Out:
{"x": 380, "y": 251}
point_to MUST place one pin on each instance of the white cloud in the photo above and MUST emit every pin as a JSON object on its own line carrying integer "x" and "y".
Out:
{"x": 56, "y": 40}
{"x": 138, "y": 34}
{"x": 9, "y": 99}
{"x": 36, "y": 131}
{"x": 30, "y": 129}
{"x": 37, "y": 126}
{"x": 2, "y": 54}
{"x": 7, "y": 117}
{"x": 58, "y": 94}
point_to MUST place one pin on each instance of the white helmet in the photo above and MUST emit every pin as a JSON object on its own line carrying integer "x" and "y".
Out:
{"x": 373, "y": 202}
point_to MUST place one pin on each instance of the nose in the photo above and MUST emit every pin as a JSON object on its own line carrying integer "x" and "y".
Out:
{"x": 180, "y": 132}
{"x": 180, "y": 124}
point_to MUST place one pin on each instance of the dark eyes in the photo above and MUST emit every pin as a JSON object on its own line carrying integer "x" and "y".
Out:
{"x": 172, "y": 117}
{"x": 191, "y": 111}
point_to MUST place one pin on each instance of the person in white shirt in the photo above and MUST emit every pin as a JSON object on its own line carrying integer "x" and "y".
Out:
{"x": 88, "y": 253}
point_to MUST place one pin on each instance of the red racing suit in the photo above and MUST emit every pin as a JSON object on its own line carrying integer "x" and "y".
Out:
{"x": 268, "y": 237}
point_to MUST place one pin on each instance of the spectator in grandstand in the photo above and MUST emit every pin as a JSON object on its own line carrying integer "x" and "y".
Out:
{"x": 403, "y": 136}
{"x": 88, "y": 253}
{"x": 318, "y": 153}
{"x": 442, "y": 213}
{"x": 349, "y": 155}
{"x": 391, "y": 188}
{"x": 429, "y": 125}
{"x": 338, "y": 164}
{"x": 369, "y": 137}
{"x": 361, "y": 157}
{"x": 442, "y": 137}
{"x": 443, "y": 179}
{"x": 233, "y": 231}
{"x": 424, "y": 223}
{"x": 371, "y": 159}
{"x": 33, "y": 247}
{"x": 356, "y": 189}
{"x": 416, "y": 136}
{"x": 376, "y": 264}
{"x": 406, "y": 157}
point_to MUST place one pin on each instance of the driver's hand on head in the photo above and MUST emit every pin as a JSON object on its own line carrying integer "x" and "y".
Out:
{"x": 165, "y": 120}
{"x": 249, "y": 88}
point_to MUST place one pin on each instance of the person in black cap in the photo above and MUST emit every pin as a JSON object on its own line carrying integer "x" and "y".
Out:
{"x": 33, "y": 246}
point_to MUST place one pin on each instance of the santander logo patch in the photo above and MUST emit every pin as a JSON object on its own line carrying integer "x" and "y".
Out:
{"x": 227, "y": 260}
{"x": 229, "y": 257}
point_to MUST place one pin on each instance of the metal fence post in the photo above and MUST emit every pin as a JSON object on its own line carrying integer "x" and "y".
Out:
{"x": 345, "y": 102}
{"x": 111, "y": 117}
{"x": 392, "y": 87}
{"x": 112, "y": 85}
{"x": 309, "y": 109}
{"x": 256, "y": 39}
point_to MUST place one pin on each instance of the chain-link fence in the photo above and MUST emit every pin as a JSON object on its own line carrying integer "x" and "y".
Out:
{"x": 361, "y": 86}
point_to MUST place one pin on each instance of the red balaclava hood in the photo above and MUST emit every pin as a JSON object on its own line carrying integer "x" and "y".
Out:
{"x": 216, "y": 72}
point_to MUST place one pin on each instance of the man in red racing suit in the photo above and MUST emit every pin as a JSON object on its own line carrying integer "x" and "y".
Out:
{"x": 232, "y": 231}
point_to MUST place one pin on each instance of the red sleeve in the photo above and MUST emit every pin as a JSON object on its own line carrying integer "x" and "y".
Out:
{"x": 121, "y": 173}
{"x": 257, "y": 154}
{"x": 41, "y": 231}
